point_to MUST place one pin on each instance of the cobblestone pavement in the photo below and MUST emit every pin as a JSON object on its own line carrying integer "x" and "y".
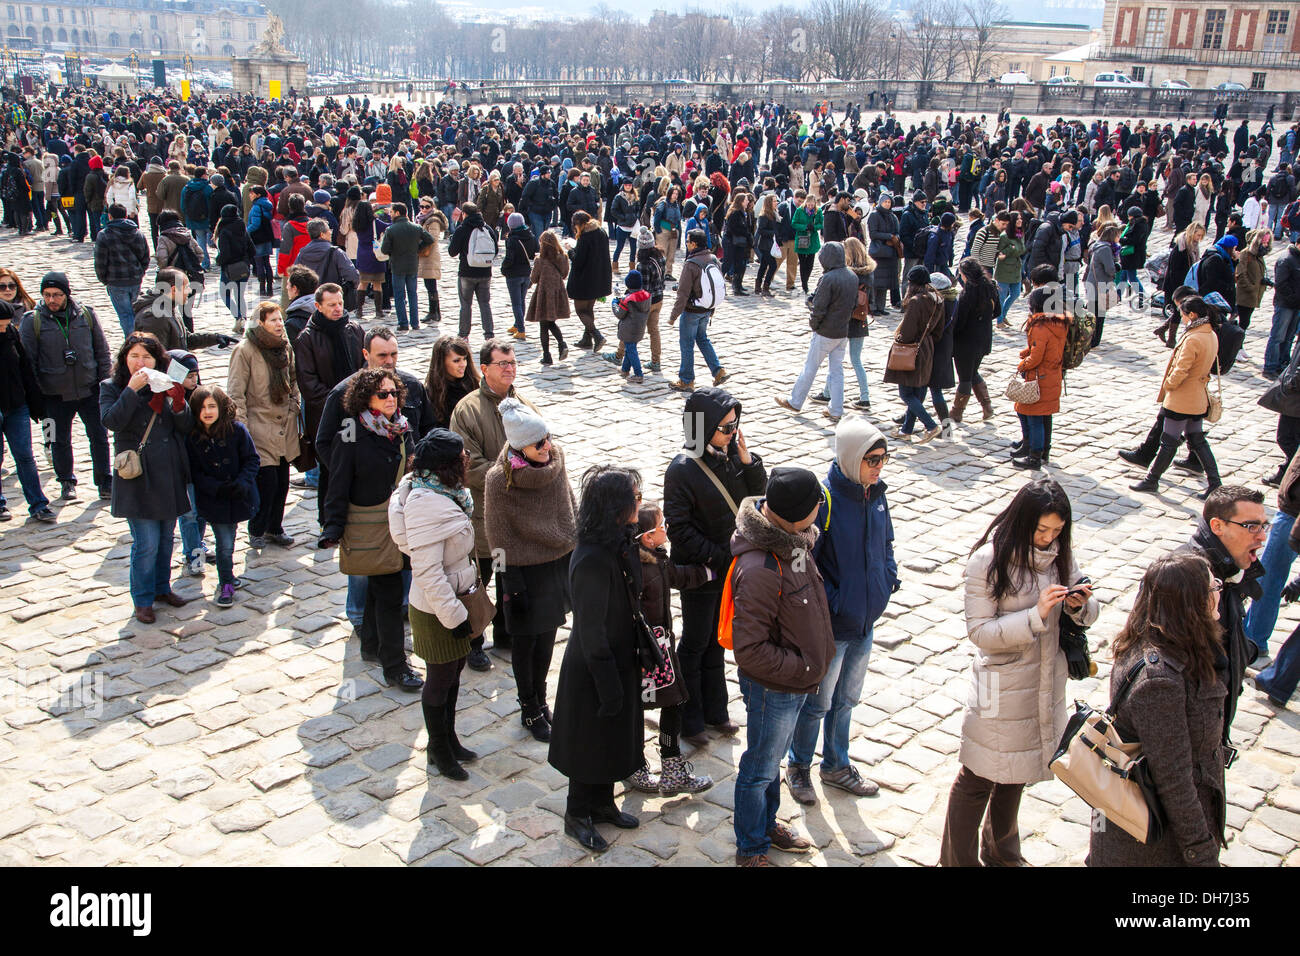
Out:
{"x": 255, "y": 735}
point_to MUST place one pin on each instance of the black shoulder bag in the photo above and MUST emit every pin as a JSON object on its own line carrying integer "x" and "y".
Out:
{"x": 661, "y": 673}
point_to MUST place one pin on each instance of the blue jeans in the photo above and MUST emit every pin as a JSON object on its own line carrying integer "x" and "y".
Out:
{"x": 447, "y": 210}
{"x": 772, "y": 716}
{"x": 232, "y": 294}
{"x": 832, "y": 350}
{"x": 622, "y": 237}
{"x": 1275, "y": 211}
{"x": 693, "y": 330}
{"x": 225, "y": 537}
{"x": 859, "y": 371}
{"x": 840, "y": 691}
{"x": 151, "y": 559}
{"x": 1128, "y": 280}
{"x": 121, "y": 297}
{"x": 1277, "y": 354}
{"x": 1280, "y": 678}
{"x": 1033, "y": 429}
{"x": 913, "y": 397}
{"x": 405, "y": 288}
{"x": 202, "y": 233}
{"x": 631, "y": 360}
{"x": 537, "y": 223}
{"x": 17, "y": 432}
{"x": 355, "y": 607}
{"x": 1008, "y": 292}
{"x": 192, "y": 529}
{"x": 1276, "y": 558}
{"x": 517, "y": 286}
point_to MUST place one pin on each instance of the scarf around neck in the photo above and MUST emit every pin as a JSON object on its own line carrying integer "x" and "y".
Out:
{"x": 462, "y": 495}
{"x": 393, "y": 429}
{"x": 275, "y": 351}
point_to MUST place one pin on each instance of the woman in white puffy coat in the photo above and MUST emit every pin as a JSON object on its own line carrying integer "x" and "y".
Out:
{"x": 1019, "y": 579}
{"x": 122, "y": 190}
{"x": 429, "y": 518}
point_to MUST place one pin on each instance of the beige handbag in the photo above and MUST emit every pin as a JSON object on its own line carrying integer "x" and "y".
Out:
{"x": 1214, "y": 411}
{"x": 1110, "y": 774}
{"x": 127, "y": 464}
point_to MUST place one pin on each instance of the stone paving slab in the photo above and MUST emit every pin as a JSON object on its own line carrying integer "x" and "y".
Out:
{"x": 255, "y": 735}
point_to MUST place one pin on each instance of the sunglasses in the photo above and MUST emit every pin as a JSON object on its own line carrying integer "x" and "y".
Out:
{"x": 8, "y": 285}
{"x": 875, "y": 461}
{"x": 386, "y": 393}
{"x": 539, "y": 445}
{"x": 729, "y": 428}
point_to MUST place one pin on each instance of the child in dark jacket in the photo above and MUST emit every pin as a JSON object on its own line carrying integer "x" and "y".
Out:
{"x": 223, "y": 467}
{"x": 658, "y": 576}
{"x": 633, "y": 313}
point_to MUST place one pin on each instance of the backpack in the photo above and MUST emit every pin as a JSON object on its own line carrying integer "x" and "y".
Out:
{"x": 183, "y": 258}
{"x": 1279, "y": 188}
{"x": 1231, "y": 338}
{"x": 196, "y": 207}
{"x": 713, "y": 288}
{"x": 1192, "y": 279}
{"x": 481, "y": 250}
{"x": 921, "y": 241}
{"x": 1078, "y": 338}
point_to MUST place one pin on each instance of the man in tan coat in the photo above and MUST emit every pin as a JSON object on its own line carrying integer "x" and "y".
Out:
{"x": 477, "y": 420}
{"x": 150, "y": 181}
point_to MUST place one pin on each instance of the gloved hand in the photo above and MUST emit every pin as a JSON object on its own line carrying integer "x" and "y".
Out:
{"x": 225, "y": 341}
{"x": 1292, "y": 590}
{"x": 461, "y": 630}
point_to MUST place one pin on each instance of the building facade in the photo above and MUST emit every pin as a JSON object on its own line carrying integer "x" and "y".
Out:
{"x": 171, "y": 28}
{"x": 1202, "y": 43}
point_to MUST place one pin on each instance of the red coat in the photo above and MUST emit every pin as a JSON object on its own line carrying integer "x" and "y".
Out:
{"x": 1041, "y": 360}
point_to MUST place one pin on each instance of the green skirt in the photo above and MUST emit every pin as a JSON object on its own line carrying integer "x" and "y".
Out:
{"x": 433, "y": 643}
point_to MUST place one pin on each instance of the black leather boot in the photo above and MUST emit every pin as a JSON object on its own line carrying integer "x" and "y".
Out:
{"x": 440, "y": 755}
{"x": 1145, "y": 453}
{"x": 459, "y": 751}
{"x": 1151, "y": 483}
{"x": 1201, "y": 449}
{"x": 531, "y": 716}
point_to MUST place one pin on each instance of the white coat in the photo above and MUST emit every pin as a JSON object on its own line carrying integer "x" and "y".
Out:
{"x": 439, "y": 537}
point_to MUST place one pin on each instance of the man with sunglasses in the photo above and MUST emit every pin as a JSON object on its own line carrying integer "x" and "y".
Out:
{"x": 855, "y": 555}
{"x": 1230, "y": 535}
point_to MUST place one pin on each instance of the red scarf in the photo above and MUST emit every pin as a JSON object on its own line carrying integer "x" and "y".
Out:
{"x": 177, "y": 393}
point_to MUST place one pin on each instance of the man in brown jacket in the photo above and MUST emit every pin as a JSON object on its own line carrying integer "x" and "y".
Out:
{"x": 169, "y": 192}
{"x": 150, "y": 183}
{"x": 477, "y": 420}
{"x": 783, "y": 643}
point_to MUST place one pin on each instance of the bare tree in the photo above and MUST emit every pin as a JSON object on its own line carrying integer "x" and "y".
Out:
{"x": 981, "y": 36}
{"x": 843, "y": 33}
{"x": 932, "y": 43}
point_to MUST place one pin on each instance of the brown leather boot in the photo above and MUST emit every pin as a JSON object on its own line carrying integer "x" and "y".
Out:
{"x": 959, "y": 402}
{"x": 982, "y": 394}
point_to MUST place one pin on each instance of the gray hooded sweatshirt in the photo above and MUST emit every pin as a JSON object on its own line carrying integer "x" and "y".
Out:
{"x": 836, "y": 296}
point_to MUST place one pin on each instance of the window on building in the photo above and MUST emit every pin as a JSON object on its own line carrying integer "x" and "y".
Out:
{"x": 198, "y": 23}
{"x": 1276, "y": 26}
{"x": 225, "y": 28}
{"x": 252, "y": 31}
{"x": 29, "y": 14}
{"x": 45, "y": 14}
{"x": 13, "y": 13}
{"x": 1138, "y": 73}
{"x": 1013, "y": 67}
{"x": 1051, "y": 71}
{"x": 153, "y": 21}
{"x": 1257, "y": 80}
{"x": 1212, "y": 39}
{"x": 1067, "y": 71}
{"x": 60, "y": 14}
{"x": 1154, "y": 35}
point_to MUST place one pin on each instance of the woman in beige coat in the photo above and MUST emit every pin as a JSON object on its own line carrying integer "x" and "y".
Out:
{"x": 430, "y": 217}
{"x": 264, "y": 388}
{"x": 1185, "y": 396}
{"x": 1020, "y": 577}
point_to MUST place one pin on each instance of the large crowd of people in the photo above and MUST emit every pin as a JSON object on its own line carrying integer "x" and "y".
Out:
{"x": 452, "y": 506}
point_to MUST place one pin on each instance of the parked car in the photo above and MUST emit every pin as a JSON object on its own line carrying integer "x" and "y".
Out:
{"x": 1175, "y": 85}
{"x": 1117, "y": 79}
{"x": 1231, "y": 87}
{"x": 1061, "y": 81}
{"x": 1015, "y": 76}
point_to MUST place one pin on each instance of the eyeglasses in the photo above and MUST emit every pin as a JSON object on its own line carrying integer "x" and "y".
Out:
{"x": 507, "y": 364}
{"x": 386, "y": 393}
{"x": 1254, "y": 527}
{"x": 875, "y": 461}
{"x": 729, "y": 428}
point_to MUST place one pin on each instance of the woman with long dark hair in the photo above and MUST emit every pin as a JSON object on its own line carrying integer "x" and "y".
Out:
{"x": 451, "y": 377}
{"x": 597, "y": 733}
{"x": 429, "y": 518}
{"x": 1174, "y": 708}
{"x": 369, "y": 231}
{"x": 978, "y": 307}
{"x": 154, "y": 424}
{"x": 1020, "y": 577}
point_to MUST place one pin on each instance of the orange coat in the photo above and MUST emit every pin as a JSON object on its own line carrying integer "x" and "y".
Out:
{"x": 1041, "y": 360}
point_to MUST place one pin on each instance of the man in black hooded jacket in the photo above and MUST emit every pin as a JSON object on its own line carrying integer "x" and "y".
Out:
{"x": 701, "y": 519}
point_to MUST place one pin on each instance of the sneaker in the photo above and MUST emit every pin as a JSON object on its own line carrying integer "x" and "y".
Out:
{"x": 69, "y": 491}
{"x": 835, "y": 419}
{"x": 652, "y": 366}
{"x": 785, "y": 838}
{"x": 302, "y": 482}
{"x": 720, "y": 376}
{"x": 899, "y": 419}
{"x": 636, "y": 379}
{"x": 624, "y": 372}
{"x": 644, "y": 780}
{"x": 800, "y": 783}
{"x": 758, "y": 859}
{"x": 682, "y": 386}
{"x": 899, "y": 435}
{"x": 226, "y": 596}
{"x": 6, "y": 514}
{"x": 237, "y": 583}
{"x": 821, "y": 398}
{"x": 257, "y": 542}
{"x": 848, "y": 779}
{"x": 40, "y": 514}
{"x": 785, "y": 403}
{"x": 478, "y": 660}
{"x": 930, "y": 434}
{"x": 280, "y": 540}
{"x": 611, "y": 357}
{"x": 194, "y": 566}
{"x": 678, "y": 776}
{"x": 862, "y": 405}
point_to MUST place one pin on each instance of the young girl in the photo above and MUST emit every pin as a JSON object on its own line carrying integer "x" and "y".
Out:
{"x": 223, "y": 466}
{"x": 658, "y": 576}
{"x": 633, "y": 312}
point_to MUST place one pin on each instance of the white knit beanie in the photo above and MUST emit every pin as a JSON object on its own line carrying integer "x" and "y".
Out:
{"x": 523, "y": 426}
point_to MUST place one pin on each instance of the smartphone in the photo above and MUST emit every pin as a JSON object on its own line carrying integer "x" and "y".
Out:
{"x": 1078, "y": 588}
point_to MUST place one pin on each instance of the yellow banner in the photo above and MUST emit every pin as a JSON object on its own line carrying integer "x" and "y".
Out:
{"x": 275, "y": 89}
{"x": 185, "y": 91}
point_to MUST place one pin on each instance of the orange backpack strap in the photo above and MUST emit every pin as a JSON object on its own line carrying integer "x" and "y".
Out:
{"x": 727, "y": 608}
